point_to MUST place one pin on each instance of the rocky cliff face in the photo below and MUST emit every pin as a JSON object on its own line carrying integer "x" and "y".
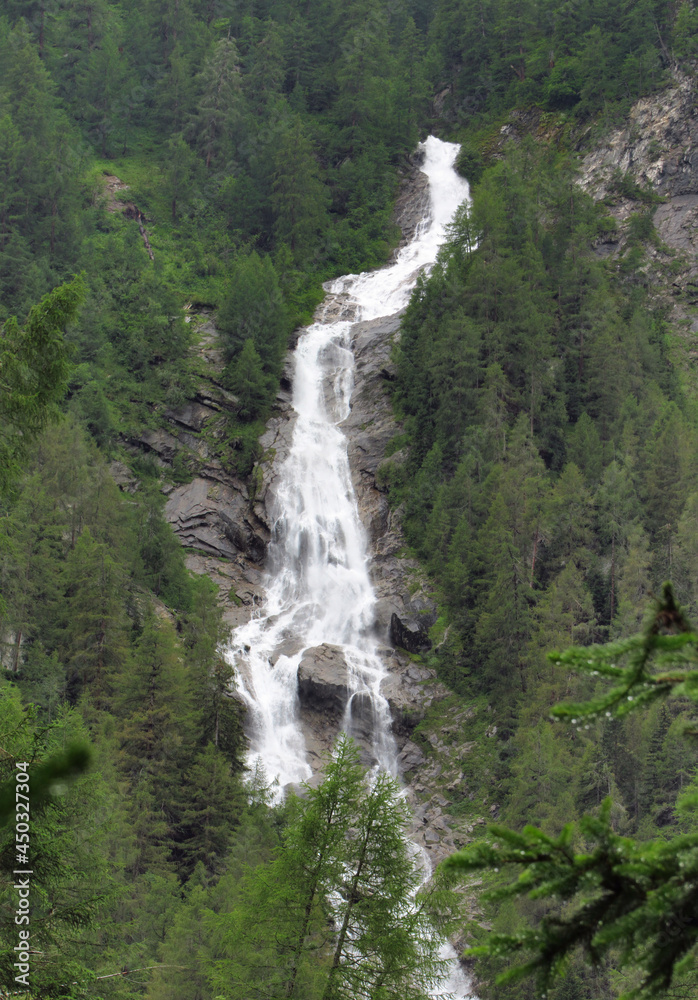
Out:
{"x": 657, "y": 149}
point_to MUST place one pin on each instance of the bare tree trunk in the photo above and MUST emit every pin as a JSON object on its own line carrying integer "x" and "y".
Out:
{"x": 18, "y": 647}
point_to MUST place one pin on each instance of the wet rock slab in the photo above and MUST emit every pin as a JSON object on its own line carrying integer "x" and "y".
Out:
{"x": 323, "y": 677}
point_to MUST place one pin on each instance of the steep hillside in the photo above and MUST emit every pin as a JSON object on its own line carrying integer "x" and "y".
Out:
{"x": 546, "y": 393}
{"x": 522, "y": 442}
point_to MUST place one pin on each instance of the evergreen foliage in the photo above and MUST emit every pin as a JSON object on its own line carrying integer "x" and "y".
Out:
{"x": 91, "y": 660}
{"x": 607, "y": 895}
{"x": 260, "y": 143}
{"x": 34, "y": 368}
{"x": 527, "y": 377}
{"x": 336, "y": 913}
{"x": 493, "y": 56}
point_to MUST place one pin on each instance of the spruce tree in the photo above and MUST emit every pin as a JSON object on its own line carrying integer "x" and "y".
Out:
{"x": 253, "y": 309}
{"x": 606, "y": 894}
{"x": 94, "y": 641}
{"x": 247, "y": 380}
{"x": 157, "y": 742}
{"x": 299, "y": 196}
{"x": 220, "y": 106}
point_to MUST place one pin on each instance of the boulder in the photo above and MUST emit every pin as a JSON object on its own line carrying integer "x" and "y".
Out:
{"x": 123, "y": 477}
{"x": 411, "y": 757}
{"x": 409, "y": 633}
{"x": 215, "y": 397}
{"x": 322, "y": 679}
{"x": 164, "y": 445}
{"x": 371, "y": 425}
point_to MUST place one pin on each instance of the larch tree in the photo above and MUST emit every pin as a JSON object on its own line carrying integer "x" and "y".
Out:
{"x": 34, "y": 369}
{"x": 299, "y": 196}
{"x": 338, "y": 912}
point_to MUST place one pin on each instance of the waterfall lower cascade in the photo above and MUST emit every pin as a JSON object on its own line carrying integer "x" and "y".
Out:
{"x": 318, "y": 585}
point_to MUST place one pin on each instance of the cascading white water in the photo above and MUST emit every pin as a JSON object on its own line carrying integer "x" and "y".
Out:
{"x": 318, "y": 585}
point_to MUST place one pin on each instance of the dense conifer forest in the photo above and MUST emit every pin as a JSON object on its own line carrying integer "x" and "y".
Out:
{"x": 545, "y": 475}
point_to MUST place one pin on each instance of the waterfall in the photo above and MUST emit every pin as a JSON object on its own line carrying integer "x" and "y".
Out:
{"x": 318, "y": 589}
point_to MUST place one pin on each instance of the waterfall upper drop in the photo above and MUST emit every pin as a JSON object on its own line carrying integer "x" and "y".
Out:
{"x": 318, "y": 588}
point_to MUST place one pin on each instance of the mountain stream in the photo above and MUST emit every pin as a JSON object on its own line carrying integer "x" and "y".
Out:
{"x": 318, "y": 584}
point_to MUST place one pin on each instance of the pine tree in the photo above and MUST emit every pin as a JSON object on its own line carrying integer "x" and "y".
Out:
{"x": 45, "y": 162}
{"x": 570, "y": 513}
{"x": 219, "y": 107}
{"x": 94, "y": 642}
{"x": 584, "y": 448}
{"x": 187, "y": 941}
{"x": 212, "y": 678}
{"x": 266, "y": 72}
{"x": 362, "y": 106}
{"x": 541, "y": 776}
{"x": 169, "y": 21}
{"x": 157, "y": 742}
{"x": 10, "y": 187}
{"x": 686, "y": 555}
{"x": 103, "y": 87}
{"x": 669, "y": 477}
{"x": 249, "y": 383}
{"x": 179, "y": 170}
{"x": 174, "y": 93}
{"x": 618, "y": 508}
{"x": 253, "y": 309}
{"x": 376, "y": 916}
{"x": 412, "y": 89}
{"x": 31, "y": 555}
{"x": 211, "y": 801}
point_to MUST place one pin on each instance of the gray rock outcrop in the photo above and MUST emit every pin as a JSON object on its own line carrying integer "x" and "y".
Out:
{"x": 276, "y": 444}
{"x": 371, "y": 426}
{"x": 658, "y": 145}
{"x": 410, "y": 689}
{"x": 412, "y": 202}
{"x": 323, "y": 677}
{"x": 216, "y": 519}
{"x": 411, "y": 632}
{"x": 658, "y": 149}
{"x": 403, "y": 616}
